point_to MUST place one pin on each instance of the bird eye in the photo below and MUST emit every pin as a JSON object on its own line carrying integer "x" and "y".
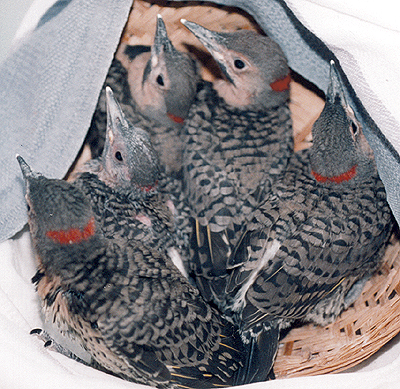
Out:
{"x": 28, "y": 203}
{"x": 160, "y": 80}
{"x": 239, "y": 64}
{"x": 354, "y": 128}
{"x": 118, "y": 156}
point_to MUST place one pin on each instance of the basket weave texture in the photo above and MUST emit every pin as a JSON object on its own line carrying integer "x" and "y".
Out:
{"x": 374, "y": 318}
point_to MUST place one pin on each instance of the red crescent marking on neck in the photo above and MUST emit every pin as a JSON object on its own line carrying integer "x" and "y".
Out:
{"x": 281, "y": 85}
{"x": 175, "y": 119}
{"x": 148, "y": 188}
{"x": 73, "y": 235}
{"x": 336, "y": 179}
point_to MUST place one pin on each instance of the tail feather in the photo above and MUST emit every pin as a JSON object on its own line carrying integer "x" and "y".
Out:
{"x": 261, "y": 354}
{"x": 210, "y": 253}
{"x": 220, "y": 369}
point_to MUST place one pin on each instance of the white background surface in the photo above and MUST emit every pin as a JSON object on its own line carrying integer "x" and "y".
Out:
{"x": 11, "y": 15}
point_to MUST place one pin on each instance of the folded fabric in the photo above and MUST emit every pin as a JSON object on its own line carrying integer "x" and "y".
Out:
{"x": 49, "y": 87}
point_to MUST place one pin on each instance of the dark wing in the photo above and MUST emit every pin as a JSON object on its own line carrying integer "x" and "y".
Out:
{"x": 154, "y": 321}
{"x": 322, "y": 253}
{"x": 229, "y": 156}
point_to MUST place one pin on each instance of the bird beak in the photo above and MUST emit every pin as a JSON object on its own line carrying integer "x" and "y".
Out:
{"x": 213, "y": 42}
{"x": 115, "y": 116}
{"x": 25, "y": 168}
{"x": 335, "y": 87}
{"x": 161, "y": 40}
{"x": 161, "y": 44}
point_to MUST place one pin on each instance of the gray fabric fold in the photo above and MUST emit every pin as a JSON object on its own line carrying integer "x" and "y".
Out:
{"x": 48, "y": 91}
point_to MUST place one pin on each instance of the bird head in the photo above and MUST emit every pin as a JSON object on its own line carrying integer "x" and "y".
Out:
{"x": 58, "y": 212}
{"x": 255, "y": 68}
{"x": 129, "y": 161}
{"x": 340, "y": 153}
{"x": 169, "y": 81}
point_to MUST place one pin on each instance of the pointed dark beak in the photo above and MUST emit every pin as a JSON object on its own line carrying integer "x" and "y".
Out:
{"x": 161, "y": 40}
{"x": 115, "y": 116}
{"x": 213, "y": 42}
{"x": 335, "y": 87}
{"x": 25, "y": 168}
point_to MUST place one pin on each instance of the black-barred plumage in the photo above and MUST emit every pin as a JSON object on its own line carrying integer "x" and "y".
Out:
{"x": 319, "y": 234}
{"x": 148, "y": 219}
{"x": 238, "y": 137}
{"x": 105, "y": 275}
{"x": 124, "y": 187}
{"x": 229, "y": 155}
{"x": 124, "y": 301}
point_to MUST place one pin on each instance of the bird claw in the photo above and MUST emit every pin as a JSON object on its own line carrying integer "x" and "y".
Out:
{"x": 52, "y": 345}
{"x": 41, "y": 334}
{"x": 48, "y": 341}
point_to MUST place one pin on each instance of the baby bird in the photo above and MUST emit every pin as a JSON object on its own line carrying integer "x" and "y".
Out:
{"x": 237, "y": 138}
{"x": 319, "y": 234}
{"x": 126, "y": 303}
{"x": 156, "y": 89}
{"x": 122, "y": 185}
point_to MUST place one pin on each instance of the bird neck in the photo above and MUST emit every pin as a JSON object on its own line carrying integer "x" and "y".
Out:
{"x": 254, "y": 97}
{"x": 149, "y": 188}
{"x": 59, "y": 251}
{"x": 343, "y": 177}
{"x": 281, "y": 84}
{"x": 232, "y": 95}
{"x": 73, "y": 235}
{"x": 175, "y": 119}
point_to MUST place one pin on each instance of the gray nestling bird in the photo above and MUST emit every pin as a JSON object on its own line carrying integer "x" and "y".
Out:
{"x": 237, "y": 138}
{"x": 122, "y": 185}
{"x": 125, "y": 302}
{"x": 155, "y": 88}
{"x": 317, "y": 237}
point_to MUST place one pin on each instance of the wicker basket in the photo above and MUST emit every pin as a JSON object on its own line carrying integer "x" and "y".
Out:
{"x": 374, "y": 318}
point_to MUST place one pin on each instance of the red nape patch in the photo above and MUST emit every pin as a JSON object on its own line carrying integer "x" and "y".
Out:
{"x": 148, "y": 188}
{"x": 281, "y": 85}
{"x": 175, "y": 119}
{"x": 73, "y": 235}
{"x": 347, "y": 176}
